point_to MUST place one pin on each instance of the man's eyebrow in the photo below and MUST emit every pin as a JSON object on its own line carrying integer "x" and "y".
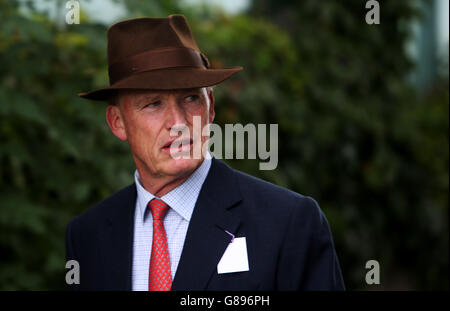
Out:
{"x": 147, "y": 98}
{"x": 193, "y": 90}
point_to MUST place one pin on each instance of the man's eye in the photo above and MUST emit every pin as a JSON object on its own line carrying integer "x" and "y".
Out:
{"x": 192, "y": 98}
{"x": 154, "y": 104}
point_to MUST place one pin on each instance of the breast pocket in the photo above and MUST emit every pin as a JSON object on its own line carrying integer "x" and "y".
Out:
{"x": 234, "y": 281}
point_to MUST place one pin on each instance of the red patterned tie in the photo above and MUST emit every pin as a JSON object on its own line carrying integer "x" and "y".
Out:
{"x": 160, "y": 278}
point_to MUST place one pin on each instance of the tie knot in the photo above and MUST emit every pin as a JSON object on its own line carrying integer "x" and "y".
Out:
{"x": 158, "y": 208}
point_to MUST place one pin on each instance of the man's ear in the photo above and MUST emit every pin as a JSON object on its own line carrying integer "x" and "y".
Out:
{"x": 115, "y": 121}
{"x": 212, "y": 113}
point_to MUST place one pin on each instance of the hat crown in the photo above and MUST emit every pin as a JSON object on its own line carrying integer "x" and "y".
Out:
{"x": 156, "y": 54}
{"x": 135, "y": 36}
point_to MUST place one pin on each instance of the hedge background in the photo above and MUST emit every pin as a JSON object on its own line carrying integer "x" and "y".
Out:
{"x": 354, "y": 133}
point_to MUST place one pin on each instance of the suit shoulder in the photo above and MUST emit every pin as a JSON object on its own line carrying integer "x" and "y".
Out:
{"x": 107, "y": 205}
{"x": 276, "y": 196}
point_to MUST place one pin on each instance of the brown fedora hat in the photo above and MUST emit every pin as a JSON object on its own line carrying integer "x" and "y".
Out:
{"x": 157, "y": 54}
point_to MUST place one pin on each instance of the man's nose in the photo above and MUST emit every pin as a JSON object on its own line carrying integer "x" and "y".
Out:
{"x": 175, "y": 115}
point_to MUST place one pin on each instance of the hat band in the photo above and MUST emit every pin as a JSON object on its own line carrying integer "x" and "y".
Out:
{"x": 157, "y": 59}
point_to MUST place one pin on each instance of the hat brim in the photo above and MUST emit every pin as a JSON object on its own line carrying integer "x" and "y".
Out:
{"x": 165, "y": 79}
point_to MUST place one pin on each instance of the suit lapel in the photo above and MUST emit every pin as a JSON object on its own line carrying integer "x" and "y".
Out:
{"x": 206, "y": 239}
{"x": 117, "y": 241}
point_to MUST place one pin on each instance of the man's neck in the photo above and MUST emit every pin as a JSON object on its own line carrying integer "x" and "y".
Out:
{"x": 159, "y": 186}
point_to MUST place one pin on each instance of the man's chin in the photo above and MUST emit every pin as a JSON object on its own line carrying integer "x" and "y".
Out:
{"x": 178, "y": 166}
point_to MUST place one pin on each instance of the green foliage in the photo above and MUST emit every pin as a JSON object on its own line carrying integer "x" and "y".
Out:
{"x": 56, "y": 154}
{"x": 352, "y": 132}
{"x": 373, "y": 152}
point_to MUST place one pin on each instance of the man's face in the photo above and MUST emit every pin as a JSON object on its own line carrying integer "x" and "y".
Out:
{"x": 145, "y": 120}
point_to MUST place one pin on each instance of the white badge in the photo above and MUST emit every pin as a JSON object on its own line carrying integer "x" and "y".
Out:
{"x": 235, "y": 258}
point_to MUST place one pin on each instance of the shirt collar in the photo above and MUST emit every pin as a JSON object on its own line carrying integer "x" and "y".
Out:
{"x": 181, "y": 199}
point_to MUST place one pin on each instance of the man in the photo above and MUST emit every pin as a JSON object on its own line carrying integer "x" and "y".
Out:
{"x": 188, "y": 223}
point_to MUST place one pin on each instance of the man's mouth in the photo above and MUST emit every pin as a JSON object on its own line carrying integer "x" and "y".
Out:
{"x": 178, "y": 145}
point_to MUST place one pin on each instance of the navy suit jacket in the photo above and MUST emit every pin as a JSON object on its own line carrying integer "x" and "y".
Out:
{"x": 289, "y": 242}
